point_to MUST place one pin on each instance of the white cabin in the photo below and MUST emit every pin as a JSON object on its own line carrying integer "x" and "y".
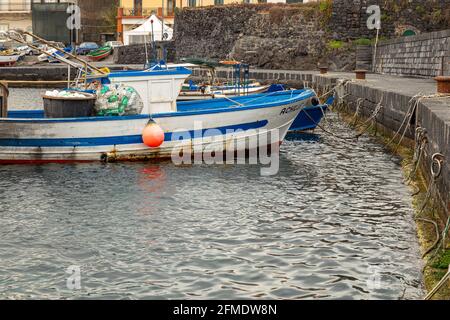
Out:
{"x": 158, "y": 87}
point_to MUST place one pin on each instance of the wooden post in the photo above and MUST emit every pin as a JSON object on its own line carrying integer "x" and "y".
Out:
{"x": 4, "y": 93}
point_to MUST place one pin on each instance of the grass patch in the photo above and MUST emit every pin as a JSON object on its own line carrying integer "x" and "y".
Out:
{"x": 362, "y": 42}
{"x": 368, "y": 42}
{"x": 335, "y": 44}
{"x": 443, "y": 261}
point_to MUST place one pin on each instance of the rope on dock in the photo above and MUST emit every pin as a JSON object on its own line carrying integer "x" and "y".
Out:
{"x": 445, "y": 232}
{"x": 414, "y": 103}
{"x": 343, "y": 83}
{"x": 421, "y": 141}
{"x": 355, "y": 137}
{"x": 358, "y": 106}
{"x": 437, "y": 161}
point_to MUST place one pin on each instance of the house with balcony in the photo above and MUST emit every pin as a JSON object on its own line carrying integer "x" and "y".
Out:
{"x": 133, "y": 13}
{"x": 15, "y": 14}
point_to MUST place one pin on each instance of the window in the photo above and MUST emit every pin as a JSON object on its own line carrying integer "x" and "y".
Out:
{"x": 192, "y": 3}
{"x": 15, "y": 5}
{"x": 4, "y": 27}
{"x": 171, "y": 4}
{"x": 137, "y": 7}
{"x": 218, "y": 2}
{"x": 139, "y": 39}
{"x": 4, "y": 6}
{"x": 409, "y": 33}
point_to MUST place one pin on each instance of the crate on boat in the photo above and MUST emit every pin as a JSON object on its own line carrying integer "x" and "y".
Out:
{"x": 81, "y": 105}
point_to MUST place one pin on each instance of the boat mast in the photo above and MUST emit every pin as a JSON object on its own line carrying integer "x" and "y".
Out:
{"x": 162, "y": 21}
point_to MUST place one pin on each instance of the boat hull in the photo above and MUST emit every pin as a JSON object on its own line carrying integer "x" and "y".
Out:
{"x": 9, "y": 60}
{"x": 34, "y": 139}
{"x": 309, "y": 118}
{"x": 99, "y": 57}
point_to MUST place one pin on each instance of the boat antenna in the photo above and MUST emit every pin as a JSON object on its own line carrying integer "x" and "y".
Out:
{"x": 154, "y": 57}
{"x": 162, "y": 21}
{"x": 146, "y": 51}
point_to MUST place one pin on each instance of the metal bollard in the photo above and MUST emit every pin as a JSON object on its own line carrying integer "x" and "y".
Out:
{"x": 443, "y": 85}
{"x": 360, "y": 74}
{"x": 4, "y": 93}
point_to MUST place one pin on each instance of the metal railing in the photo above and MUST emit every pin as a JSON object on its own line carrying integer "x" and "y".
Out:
{"x": 145, "y": 12}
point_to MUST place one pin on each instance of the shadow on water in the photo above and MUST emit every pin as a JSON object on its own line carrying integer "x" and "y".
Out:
{"x": 304, "y": 136}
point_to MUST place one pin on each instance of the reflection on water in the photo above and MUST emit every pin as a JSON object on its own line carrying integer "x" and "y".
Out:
{"x": 335, "y": 223}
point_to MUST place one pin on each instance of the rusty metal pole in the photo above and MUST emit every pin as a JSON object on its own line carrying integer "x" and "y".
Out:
{"x": 4, "y": 93}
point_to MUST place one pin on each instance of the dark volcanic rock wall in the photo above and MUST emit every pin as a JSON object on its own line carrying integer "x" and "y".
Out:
{"x": 264, "y": 35}
{"x": 135, "y": 53}
{"x": 210, "y": 32}
{"x": 286, "y": 42}
{"x": 298, "y": 36}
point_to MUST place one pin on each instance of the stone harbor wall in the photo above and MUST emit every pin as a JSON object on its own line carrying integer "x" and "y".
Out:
{"x": 298, "y": 36}
{"x": 53, "y": 72}
{"x": 210, "y": 32}
{"x": 281, "y": 39}
{"x": 364, "y": 57}
{"x": 135, "y": 53}
{"x": 349, "y": 18}
{"x": 426, "y": 55}
{"x": 36, "y": 73}
{"x": 275, "y": 36}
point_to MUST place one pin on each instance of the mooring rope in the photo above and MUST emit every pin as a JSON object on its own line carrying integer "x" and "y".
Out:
{"x": 356, "y": 137}
{"x": 421, "y": 141}
{"x": 358, "y": 106}
{"x": 445, "y": 232}
{"x": 436, "y": 160}
{"x": 434, "y": 177}
{"x": 438, "y": 235}
{"x": 438, "y": 287}
{"x": 377, "y": 110}
{"x": 344, "y": 83}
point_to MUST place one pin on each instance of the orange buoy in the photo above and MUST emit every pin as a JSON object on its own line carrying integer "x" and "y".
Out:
{"x": 153, "y": 135}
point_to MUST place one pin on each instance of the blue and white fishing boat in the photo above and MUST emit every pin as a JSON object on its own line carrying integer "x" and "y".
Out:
{"x": 28, "y": 136}
{"x": 311, "y": 116}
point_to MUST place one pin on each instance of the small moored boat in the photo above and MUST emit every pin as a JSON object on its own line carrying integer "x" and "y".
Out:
{"x": 9, "y": 57}
{"x": 211, "y": 92}
{"x": 99, "y": 54}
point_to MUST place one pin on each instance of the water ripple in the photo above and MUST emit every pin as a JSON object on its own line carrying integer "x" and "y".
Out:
{"x": 156, "y": 231}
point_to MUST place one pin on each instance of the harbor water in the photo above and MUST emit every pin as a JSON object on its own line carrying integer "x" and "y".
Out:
{"x": 335, "y": 223}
